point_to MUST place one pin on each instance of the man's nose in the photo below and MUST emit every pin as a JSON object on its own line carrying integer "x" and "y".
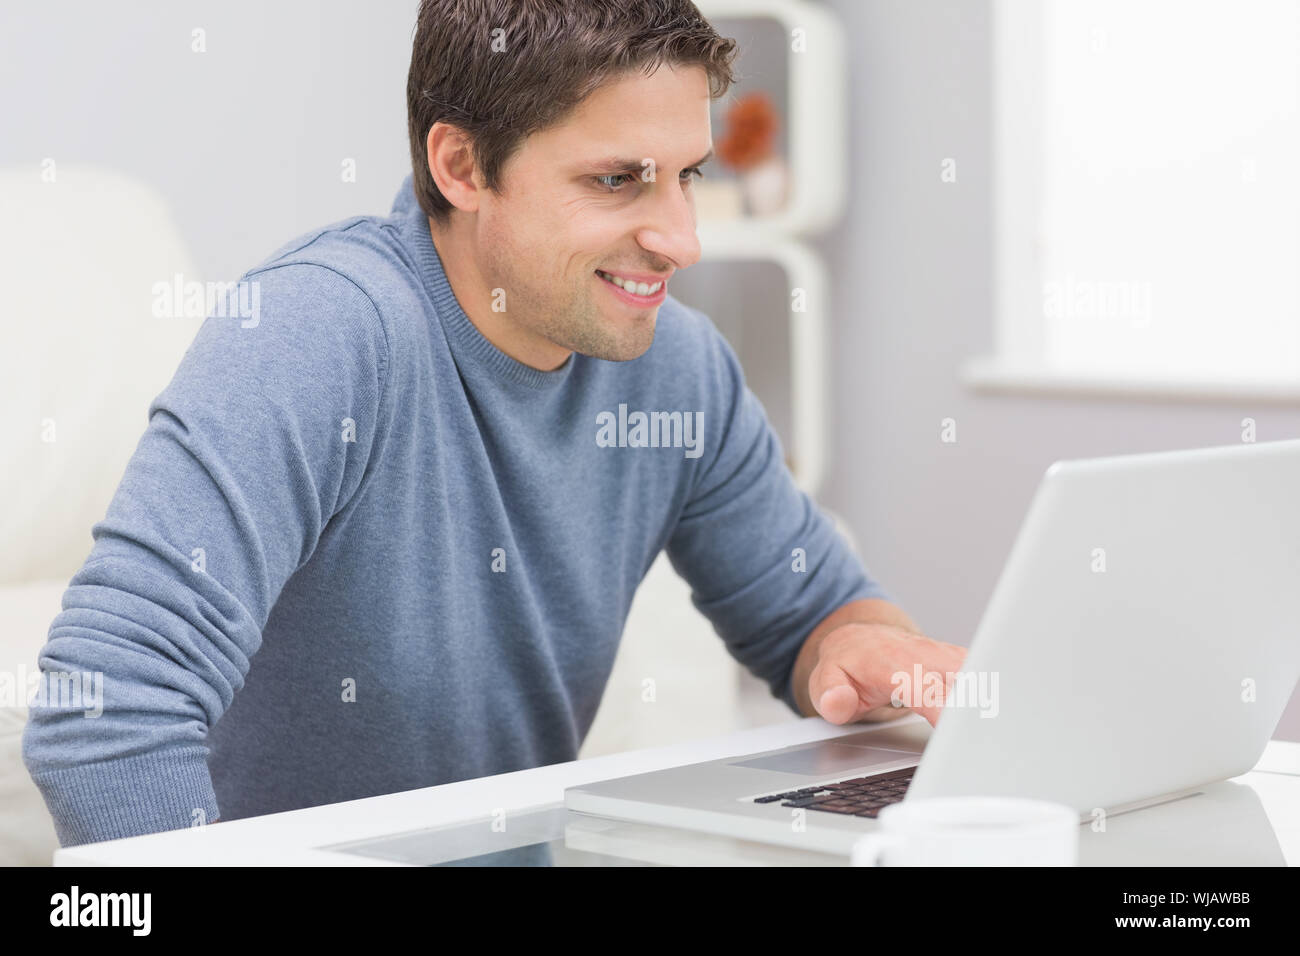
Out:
{"x": 671, "y": 229}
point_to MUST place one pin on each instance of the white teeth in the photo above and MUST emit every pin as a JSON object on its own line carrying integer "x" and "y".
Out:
{"x": 636, "y": 288}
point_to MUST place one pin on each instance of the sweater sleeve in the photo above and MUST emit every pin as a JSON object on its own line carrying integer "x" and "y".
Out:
{"x": 261, "y": 436}
{"x": 764, "y": 563}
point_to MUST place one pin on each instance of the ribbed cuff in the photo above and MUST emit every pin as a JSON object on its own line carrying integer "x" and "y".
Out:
{"x": 129, "y": 797}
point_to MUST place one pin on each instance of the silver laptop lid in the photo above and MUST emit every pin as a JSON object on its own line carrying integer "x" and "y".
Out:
{"x": 1144, "y": 637}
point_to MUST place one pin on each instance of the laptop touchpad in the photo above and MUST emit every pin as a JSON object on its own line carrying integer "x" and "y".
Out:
{"x": 827, "y": 758}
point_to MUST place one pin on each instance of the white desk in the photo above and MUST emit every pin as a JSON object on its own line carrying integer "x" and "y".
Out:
{"x": 1253, "y": 819}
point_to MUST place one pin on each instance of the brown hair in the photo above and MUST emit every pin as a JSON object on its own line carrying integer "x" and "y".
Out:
{"x": 550, "y": 56}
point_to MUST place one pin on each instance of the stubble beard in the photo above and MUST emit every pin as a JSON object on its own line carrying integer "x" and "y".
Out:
{"x": 585, "y": 328}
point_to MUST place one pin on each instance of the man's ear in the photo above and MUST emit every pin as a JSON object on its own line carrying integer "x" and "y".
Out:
{"x": 450, "y": 154}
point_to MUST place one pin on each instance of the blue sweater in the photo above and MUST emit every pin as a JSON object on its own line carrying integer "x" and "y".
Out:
{"x": 360, "y": 550}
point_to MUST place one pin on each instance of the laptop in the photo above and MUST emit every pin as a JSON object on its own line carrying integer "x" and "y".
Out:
{"x": 1141, "y": 643}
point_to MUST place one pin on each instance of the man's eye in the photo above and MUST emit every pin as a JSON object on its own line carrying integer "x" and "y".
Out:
{"x": 614, "y": 181}
{"x": 617, "y": 180}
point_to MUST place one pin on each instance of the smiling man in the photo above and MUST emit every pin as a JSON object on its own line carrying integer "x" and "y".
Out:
{"x": 388, "y": 537}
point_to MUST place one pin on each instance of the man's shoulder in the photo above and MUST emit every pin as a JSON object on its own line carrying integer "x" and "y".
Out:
{"x": 690, "y": 363}
{"x": 365, "y": 250}
{"x": 361, "y": 257}
{"x": 690, "y": 350}
{"x": 686, "y": 338}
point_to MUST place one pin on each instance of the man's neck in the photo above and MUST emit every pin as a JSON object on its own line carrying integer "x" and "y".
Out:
{"x": 475, "y": 295}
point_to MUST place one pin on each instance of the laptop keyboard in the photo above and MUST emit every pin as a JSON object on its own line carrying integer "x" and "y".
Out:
{"x": 860, "y": 797}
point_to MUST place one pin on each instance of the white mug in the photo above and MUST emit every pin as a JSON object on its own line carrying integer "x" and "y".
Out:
{"x": 972, "y": 831}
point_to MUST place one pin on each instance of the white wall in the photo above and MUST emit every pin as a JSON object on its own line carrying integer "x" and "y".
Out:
{"x": 246, "y": 140}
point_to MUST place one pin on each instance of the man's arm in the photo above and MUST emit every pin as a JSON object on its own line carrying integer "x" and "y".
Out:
{"x": 240, "y": 468}
{"x": 765, "y": 564}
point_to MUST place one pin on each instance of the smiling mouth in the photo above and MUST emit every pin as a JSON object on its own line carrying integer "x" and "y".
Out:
{"x": 632, "y": 288}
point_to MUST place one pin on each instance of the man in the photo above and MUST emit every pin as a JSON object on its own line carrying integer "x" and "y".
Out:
{"x": 387, "y": 535}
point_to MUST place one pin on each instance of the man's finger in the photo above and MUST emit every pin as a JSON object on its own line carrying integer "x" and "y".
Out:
{"x": 838, "y": 704}
{"x": 833, "y": 692}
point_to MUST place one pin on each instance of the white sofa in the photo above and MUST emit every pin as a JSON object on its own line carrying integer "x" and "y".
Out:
{"x": 26, "y": 831}
{"x": 84, "y": 357}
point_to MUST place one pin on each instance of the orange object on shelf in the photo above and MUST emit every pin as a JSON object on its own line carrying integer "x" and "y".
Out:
{"x": 752, "y": 122}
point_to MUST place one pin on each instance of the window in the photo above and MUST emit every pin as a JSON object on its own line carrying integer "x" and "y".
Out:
{"x": 1147, "y": 196}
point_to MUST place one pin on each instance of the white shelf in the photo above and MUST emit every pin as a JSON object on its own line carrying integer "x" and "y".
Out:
{"x": 816, "y": 113}
{"x": 816, "y": 138}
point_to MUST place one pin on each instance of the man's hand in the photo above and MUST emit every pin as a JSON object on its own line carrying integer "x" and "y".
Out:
{"x": 856, "y": 667}
{"x": 845, "y": 669}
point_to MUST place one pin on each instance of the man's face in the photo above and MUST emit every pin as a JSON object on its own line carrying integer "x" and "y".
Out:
{"x": 577, "y": 198}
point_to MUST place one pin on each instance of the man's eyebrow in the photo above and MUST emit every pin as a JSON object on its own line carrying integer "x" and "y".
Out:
{"x": 619, "y": 164}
